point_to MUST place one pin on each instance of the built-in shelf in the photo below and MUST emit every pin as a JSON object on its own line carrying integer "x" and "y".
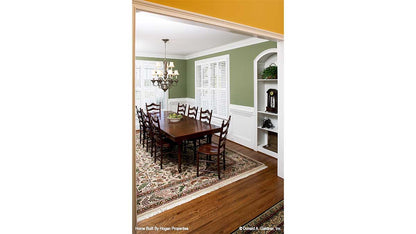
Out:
{"x": 267, "y": 80}
{"x": 266, "y": 151}
{"x": 267, "y": 113}
{"x": 268, "y": 129}
{"x": 265, "y": 136}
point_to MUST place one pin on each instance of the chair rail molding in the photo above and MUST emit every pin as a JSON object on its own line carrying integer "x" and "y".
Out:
{"x": 173, "y": 103}
{"x": 242, "y": 110}
{"x": 240, "y": 116}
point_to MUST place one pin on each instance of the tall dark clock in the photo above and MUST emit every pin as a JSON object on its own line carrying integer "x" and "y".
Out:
{"x": 271, "y": 100}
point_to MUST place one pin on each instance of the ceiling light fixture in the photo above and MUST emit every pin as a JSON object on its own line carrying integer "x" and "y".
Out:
{"x": 166, "y": 77}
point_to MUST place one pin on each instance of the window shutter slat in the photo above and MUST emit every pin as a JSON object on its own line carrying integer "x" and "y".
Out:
{"x": 211, "y": 82}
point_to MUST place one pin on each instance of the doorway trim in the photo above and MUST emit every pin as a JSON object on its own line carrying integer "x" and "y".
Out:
{"x": 141, "y": 5}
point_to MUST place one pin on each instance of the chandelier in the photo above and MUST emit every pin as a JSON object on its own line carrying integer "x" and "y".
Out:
{"x": 165, "y": 77}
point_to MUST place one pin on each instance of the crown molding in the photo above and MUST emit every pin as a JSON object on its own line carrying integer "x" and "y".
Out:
{"x": 230, "y": 46}
{"x": 155, "y": 55}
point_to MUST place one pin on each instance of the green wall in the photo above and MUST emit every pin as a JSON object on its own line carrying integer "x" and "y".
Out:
{"x": 179, "y": 91}
{"x": 241, "y": 72}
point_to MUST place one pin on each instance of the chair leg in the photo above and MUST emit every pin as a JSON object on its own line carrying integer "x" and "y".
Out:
{"x": 223, "y": 158}
{"x": 218, "y": 166}
{"x": 155, "y": 152}
{"x": 147, "y": 145}
{"x": 194, "y": 141}
{"x": 143, "y": 137}
{"x": 197, "y": 164}
{"x": 161, "y": 157}
{"x": 151, "y": 148}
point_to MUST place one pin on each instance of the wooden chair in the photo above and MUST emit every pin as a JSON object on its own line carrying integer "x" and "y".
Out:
{"x": 142, "y": 129}
{"x": 212, "y": 149}
{"x": 160, "y": 142}
{"x": 138, "y": 118}
{"x": 192, "y": 112}
{"x": 181, "y": 109}
{"x": 148, "y": 136}
{"x": 205, "y": 116}
{"x": 137, "y": 112}
{"x": 153, "y": 108}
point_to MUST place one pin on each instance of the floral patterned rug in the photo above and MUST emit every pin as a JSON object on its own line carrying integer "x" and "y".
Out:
{"x": 162, "y": 189}
{"x": 270, "y": 221}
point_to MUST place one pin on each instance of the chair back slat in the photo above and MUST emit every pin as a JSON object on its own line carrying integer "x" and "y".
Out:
{"x": 223, "y": 134}
{"x": 153, "y": 108}
{"x": 192, "y": 112}
{"x": 137, "y": 112}
{"x": 181, "y": 109}
{"x": 154, "y": 121}
{"x": 146, "y": 123}
{"x": 205, "y": 116}
{"x": 140, "y": 117}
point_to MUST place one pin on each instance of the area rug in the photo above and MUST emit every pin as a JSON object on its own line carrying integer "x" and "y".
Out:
{"x": 161, "y": 189}
{"x": 270, "y": 221}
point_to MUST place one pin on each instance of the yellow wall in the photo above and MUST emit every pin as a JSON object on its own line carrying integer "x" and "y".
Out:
{"x": 264, "y": 14}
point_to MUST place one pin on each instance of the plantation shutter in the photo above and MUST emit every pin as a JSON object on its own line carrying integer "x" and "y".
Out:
{"x": 211, "y": 85}
{"x": 146, "y": 92}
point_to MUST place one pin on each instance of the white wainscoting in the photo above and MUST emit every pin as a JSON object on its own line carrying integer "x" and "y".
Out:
{"x": 242, "y": 121}
{"x": 173, "y": 103}
{"x": 241, "y": 127}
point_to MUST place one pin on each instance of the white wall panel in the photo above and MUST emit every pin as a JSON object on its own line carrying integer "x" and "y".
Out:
{"x": 242, "y": 118}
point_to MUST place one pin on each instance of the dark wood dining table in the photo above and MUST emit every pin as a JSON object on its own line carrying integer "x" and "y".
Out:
{"x": 186, "y": 129}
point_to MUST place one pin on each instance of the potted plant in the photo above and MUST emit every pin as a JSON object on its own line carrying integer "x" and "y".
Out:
{"x": 270, "y": 72}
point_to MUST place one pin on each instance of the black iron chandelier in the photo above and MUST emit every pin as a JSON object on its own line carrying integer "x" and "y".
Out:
{"x": 165, "y": 77}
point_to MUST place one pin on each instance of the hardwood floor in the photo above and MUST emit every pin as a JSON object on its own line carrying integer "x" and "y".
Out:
{"x": 226, "y": 209}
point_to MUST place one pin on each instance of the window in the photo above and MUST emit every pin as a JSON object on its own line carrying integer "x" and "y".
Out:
{"x": 212, "y": 85}
{"x": 146, "y": 92}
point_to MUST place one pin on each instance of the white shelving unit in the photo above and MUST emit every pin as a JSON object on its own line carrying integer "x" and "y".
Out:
{"x": 267, "y": 113}
{"x": 267, "y": 80}
{"x": 268, "y": 129}
{"x": 262, "y": 61}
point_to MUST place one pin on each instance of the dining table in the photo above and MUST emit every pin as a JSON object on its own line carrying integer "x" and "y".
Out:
{"x": 185, "y": 129}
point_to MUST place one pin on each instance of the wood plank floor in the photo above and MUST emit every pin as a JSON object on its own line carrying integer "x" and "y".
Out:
{"x": 226, "y": 209}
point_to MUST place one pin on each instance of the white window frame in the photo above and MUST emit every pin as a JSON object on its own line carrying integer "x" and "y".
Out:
{"x": 140, "y": 62}
{"x": 217, "y": 59}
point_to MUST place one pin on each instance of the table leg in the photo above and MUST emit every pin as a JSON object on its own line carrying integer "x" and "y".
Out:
{"x": 179, "y": 156}
{"x": 209, "y": 140}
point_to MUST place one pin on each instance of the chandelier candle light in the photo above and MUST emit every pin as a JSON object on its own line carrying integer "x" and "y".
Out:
{"x": 167, "y": 77}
